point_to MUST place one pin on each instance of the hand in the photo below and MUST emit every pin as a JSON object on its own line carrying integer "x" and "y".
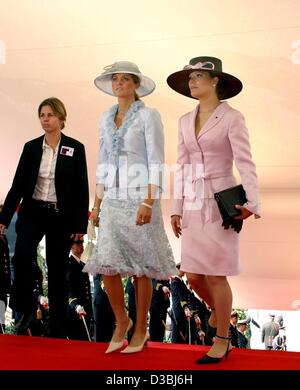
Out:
{"x": 94, "y": 217}
{"x": 197, "y": 321}
{"x": 244, "y": 212}
{"x": 143, "y": 216}
{"x": 44, "y": 301}
{"x": 77, "y": 236}
{"x": 167, "y": 292}
{"x": 2, "y": 229}
{"x": 176, "y": 225}
{"x": 187, "y": 313}
{"x": 80, "y": 311}
{"x": 201, "y": 334}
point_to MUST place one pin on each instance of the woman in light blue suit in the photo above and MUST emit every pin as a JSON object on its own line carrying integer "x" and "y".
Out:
{"x": 131, "y": 240}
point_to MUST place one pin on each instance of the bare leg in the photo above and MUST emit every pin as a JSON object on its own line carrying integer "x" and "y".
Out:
{"x": 136, "y": 292}
{"x": 143, "y": 291}
{"x": 115, "y": 291}
{"x": 222, "y": 297}
{"x": 201, "y": 286}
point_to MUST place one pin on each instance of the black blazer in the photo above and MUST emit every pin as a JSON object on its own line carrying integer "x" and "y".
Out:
{"x": 180, "y": 294}
{"x": 71, "y": 184}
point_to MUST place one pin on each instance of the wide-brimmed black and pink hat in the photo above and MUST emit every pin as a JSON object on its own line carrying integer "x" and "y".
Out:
{"x": 229, "y": 85}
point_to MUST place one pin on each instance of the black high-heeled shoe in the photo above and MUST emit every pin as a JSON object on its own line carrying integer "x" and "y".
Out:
{"x": 206, "y": 359}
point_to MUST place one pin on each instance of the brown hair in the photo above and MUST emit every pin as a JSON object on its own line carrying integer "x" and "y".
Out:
{"x": 57, "y": 107}
{"x": 220, "y": 87}
{"x": 136, "y": 80}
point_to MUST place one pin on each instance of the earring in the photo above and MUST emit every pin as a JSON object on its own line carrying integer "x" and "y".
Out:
{"x": 214, "y": 85}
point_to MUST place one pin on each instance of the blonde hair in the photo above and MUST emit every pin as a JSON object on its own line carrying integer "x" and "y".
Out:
{"x": 57, "y": 107}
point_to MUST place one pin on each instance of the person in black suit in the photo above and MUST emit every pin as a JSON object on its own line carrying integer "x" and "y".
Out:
{"x": 103, "y": 313}
{"x": 180, "y": 312}
{"x": 5, "y": 281}
{"x": 233, "y": 331}
{"x": 37, "y": 323}
{"x": 242, "y": 339}
{"x": 188, "y": 313}
{"x": 158, "y": 309}
{"x": 44, "y": 184}
{"x": 199, "y": 318}
{"x": 80, "y": 299}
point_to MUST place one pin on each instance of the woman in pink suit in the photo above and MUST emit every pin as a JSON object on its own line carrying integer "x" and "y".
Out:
{"x": 211, "y": 137}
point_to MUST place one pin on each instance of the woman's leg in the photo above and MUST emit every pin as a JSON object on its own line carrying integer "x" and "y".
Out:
{"x": 201, "y": 285}
{"x": 143, "y": 291}
{"x": 115, "y": 291}
{"x": 222, "y": 298}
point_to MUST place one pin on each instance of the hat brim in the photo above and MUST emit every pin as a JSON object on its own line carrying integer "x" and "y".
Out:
{"x": 103, "y": 82}
{"x": 179, "y": 81}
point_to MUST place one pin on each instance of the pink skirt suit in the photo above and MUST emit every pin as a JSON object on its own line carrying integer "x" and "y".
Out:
{"x": 207, "y": 248}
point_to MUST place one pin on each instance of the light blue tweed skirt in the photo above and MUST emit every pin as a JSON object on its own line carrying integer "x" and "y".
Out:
{"x": 128, "y": 249}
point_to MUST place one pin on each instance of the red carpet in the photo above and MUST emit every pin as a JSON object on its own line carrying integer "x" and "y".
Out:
{"x": 33, "y": 353}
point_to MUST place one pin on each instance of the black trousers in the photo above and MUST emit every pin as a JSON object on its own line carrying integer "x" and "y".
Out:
{"x": 76, "y": 327}
{"x": 157, "y": 322}
{"x": 178, "y": 319}
{"x": 38, "y": 220}
{"x": 104, "y": 320}
{"x": 182, "y": 329}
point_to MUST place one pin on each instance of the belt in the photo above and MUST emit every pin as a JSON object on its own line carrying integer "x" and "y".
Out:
{"x": 46, "y": 205}
{"x": 207, "y": 177}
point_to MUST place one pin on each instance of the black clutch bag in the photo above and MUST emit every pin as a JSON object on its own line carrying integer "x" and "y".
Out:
{"x": 226, "y": 201}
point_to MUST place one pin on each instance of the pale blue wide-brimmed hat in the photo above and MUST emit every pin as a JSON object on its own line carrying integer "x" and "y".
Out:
{"x": 103, "y": 82}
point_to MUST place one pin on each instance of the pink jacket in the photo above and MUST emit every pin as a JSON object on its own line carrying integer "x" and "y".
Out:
{"x": 222, "y": 139}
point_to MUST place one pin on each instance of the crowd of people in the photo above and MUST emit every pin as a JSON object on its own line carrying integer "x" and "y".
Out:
{"x": 176, "y": 314}
{"x": 132, "y": 241}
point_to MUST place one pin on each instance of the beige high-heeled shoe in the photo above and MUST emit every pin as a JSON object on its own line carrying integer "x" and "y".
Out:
{"x": 113, "y": 345}
{"x": 137, "y": 348}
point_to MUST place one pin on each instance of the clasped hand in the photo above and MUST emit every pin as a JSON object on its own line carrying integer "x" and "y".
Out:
{"x": 94, "y": 217}
{"x": 143, "y": 216}
{"x": 245, "y": 213}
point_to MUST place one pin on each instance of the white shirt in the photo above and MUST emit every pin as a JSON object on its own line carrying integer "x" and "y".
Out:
{"x": 45, "y": 184}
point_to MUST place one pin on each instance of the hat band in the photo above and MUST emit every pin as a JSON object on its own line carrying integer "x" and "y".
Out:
{"x": 116, "y": 68}
{"x": 207, "y": 65}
